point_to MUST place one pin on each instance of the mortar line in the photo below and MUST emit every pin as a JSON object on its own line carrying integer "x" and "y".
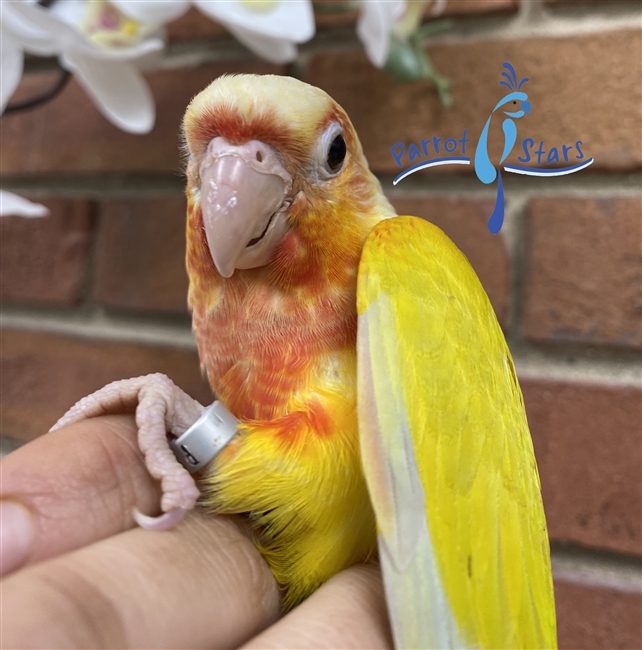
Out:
{"x": 133, "y": 185}
{"x": 596, "y": 569}
{"x": 536, "y": 20}
{"x": 592, "y": 184}
{"x": 89, "y": 270}
{"x": 97, "y": 325}
{"x": 517, "y": 247}
{"x": 584, "y": 371}
{"x": 532, "y": 363}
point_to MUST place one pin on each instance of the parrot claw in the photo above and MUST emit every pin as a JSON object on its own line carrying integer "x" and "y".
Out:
{"x": 160, "y": 406}
{"x": 163, "y": 522}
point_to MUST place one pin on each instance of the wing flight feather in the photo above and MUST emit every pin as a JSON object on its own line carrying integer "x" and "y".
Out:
{"x": 447, "y": 452}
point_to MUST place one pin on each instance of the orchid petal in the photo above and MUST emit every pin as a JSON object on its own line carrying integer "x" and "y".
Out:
{"x": 84, "y": 47}
{"x": 64, "y": 35}
{"x": 123, "y": 53}
{"x": 71, "y": 12}
{"x": 70, "y": 38}
{"x": 25, "y": 32}
{"x": 274, "y": 50}
{"x": 158, "y": 12}
{"x": 376, "y": 20}
{"x": 118, "y": 90}
{"x": 42, "y": 19}
{"x": 11, "y": 60}
{"x": 17, "y": 206}
{"x": 291, "y": 20}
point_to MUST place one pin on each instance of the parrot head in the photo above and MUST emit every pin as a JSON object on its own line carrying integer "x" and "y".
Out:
{"x": 273, "y": 164}
{"x": 517, "y": 104}
{"x": 516, "y": 101}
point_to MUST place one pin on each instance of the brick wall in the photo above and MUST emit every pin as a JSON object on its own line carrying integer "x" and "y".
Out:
{"x": 96, "y": 292}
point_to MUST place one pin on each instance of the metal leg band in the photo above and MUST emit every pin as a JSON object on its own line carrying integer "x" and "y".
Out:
{"x": 205, "y": 438}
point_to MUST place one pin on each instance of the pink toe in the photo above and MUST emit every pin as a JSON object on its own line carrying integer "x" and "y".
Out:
{"x": 163, "y": 522}
{"x": 179, "y": 491}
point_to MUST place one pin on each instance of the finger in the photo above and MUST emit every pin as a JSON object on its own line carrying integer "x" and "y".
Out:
{"x": 70, "y": 488}
{"x": 348, "y": 611}
{"x": 202, "y": 584}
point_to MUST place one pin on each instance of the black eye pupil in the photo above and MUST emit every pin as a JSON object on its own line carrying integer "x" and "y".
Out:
{"x": 336, "y": 153}
{"x": 514, "y": 102}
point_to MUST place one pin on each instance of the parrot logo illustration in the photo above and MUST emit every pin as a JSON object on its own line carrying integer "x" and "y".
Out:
{"x": 484, "y": 168}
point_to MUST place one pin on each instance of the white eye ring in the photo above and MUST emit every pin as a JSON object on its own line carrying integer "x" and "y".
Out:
{"x": 323, "y": 147}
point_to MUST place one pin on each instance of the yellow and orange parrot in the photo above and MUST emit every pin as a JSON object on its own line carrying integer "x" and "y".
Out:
{"x": 376, "y": 394}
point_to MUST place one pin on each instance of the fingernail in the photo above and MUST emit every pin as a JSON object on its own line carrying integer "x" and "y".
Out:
{"x": 16, "y": 534}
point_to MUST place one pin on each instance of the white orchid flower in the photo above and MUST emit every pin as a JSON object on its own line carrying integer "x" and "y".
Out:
{"x": 270, "y": 28}
{"x": 12, "y": 205}
{"x": 17, "y": 35}
{"x": 374, "y": 26}
{"x": 379, "y": 20}
{"x": 101, "y": 46}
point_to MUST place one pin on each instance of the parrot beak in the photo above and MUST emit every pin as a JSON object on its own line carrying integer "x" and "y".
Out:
{"x": 245, "y": 197}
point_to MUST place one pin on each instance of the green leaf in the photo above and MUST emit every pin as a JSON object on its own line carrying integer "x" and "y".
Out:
{"x": 408, "y": 62}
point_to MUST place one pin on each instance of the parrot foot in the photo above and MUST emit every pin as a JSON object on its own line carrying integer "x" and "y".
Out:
{"x": 160, "y": 406}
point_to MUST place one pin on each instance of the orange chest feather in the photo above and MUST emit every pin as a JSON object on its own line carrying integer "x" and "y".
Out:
{"x": 260, "y": 345}
{"x": 265, "y": 335}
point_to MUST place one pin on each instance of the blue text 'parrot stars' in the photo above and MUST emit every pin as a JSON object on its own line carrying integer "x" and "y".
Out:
{"x": 514, "y": 105}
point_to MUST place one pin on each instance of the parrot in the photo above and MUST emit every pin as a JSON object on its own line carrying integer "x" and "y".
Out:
{"x": 380, "y": 416}
{"x": 484, "y": 169}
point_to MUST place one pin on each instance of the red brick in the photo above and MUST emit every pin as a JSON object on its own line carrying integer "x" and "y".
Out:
{"x": 43, "y": 260}
{"x": 326, "y": 17}
{"x": 70, "y": 135}
{"x": 44, "y": 374}
{"x": 584, "y": 280}
{"x": 194, "y": 25}
{"x": 587, "y": 441}
{"x": 566, "y": 106}
{"x": 140, "y": 257}
{"x": 593, "y": 617}
{"x": 464, "y": 221}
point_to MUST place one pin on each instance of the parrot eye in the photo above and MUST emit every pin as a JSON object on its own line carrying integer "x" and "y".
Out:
{"x": 331, "y": 152}
{"x": 336, "y": 154}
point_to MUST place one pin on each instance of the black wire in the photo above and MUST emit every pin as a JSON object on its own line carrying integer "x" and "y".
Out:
{"x": 38, "y": 100}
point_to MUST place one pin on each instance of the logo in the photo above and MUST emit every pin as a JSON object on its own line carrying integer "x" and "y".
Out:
{"x": 514, "y": 106}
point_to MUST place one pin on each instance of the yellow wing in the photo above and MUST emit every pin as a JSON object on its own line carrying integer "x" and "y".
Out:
{"x": 446, "y": 451}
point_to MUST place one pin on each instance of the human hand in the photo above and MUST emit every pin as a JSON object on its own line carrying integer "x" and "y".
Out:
{"x": 87, "y": 577}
